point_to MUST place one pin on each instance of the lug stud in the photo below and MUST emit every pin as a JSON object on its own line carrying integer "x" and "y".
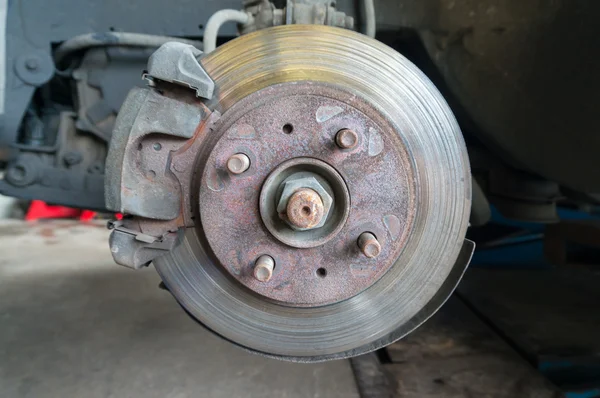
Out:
{"x": 369, "y": 245}
{"x": 238, "y": 163}
{"x": 346, "y": 139}
{"x": 263, "y": 268}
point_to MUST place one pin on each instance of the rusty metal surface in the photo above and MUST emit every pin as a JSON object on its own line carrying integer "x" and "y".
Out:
{"x": 149, "y": 128}
{"x": 305, "y": 209}
{"x": 346, "y": 139}
{"x": 309, "y": 173}
{"x": 314, "y": 174}
{"x": 422, "y": 123}
{"x": 176, "y": 161}
{"x": 302, "y": 188}
{"x": 378, "y": 176}
{"x": 150, "y": 171}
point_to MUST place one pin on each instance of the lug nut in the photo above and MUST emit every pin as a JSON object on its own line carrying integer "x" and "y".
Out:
{"x": 263, "y": 268}
{"x": 369, "y": 245}
{"x": 238, "y": 163}
{"x": 346, "y": 139}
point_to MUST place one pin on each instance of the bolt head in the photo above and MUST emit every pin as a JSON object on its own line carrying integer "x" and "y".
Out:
{"x": 238, "y": 163}
{"x": 290, "y": 188}
{"x": 346, "y": 139}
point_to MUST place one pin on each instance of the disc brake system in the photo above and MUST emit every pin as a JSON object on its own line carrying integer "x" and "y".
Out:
{"x": 303, "y": 191}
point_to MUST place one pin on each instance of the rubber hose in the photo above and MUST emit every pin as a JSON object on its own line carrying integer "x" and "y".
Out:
{"x": 124, "y": 39}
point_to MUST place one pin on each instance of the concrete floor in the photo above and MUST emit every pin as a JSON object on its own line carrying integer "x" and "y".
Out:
{"x": 74, "y": 324}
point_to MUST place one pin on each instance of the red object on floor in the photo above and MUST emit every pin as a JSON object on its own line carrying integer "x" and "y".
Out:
{"x": 87, "y": 215}
{"x": 41, "y": 210}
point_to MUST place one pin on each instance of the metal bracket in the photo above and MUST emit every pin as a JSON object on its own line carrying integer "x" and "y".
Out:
{"x": 118, "y": 226}
{"x": 317, "y": 12}
{"x": 146, "y": 176}
{"x": 34, "y": 68}
{"x": 177, "y": 63}
{"x": 135, "y": 249}
{"x": 138, "y": 181}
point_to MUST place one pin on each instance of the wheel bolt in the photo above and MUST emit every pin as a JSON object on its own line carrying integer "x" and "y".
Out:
{"x": 263, "y": 268}
{"x": 238, "y": 163}
{"x": 369, "y": 245}
{"x": 346, "y": 139}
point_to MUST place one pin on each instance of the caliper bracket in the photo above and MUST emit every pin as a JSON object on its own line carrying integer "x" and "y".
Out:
{"x": 152, "y": 152}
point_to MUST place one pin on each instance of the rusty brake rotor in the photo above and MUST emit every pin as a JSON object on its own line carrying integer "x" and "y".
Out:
{"x": 323, "y": 197}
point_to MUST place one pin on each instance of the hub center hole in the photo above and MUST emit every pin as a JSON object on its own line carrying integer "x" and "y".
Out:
{"x": 306, "y": 211}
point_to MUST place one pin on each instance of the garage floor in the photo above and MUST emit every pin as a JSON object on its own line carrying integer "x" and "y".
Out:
{"x": 74, "y": 324}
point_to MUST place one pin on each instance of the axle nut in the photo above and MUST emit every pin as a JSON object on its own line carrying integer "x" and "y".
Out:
{"x": 304, "y": 203}
{"x": 305, "y": 209}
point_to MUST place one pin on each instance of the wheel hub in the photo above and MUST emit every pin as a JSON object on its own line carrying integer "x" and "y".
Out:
{"x": 368, "y": 188}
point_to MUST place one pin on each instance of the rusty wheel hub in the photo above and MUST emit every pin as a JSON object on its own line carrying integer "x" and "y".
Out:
{"x": 304, "y": 201}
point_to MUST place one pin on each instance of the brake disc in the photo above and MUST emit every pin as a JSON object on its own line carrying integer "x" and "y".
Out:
{"x": 308, "y": 199}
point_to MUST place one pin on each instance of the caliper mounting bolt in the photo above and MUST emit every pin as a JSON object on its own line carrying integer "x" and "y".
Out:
{"x": 346, "y": 139}
{"x": 369, "y": 245}
{"x": 238, "y": 163}
{"x": 263, "y": 268}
